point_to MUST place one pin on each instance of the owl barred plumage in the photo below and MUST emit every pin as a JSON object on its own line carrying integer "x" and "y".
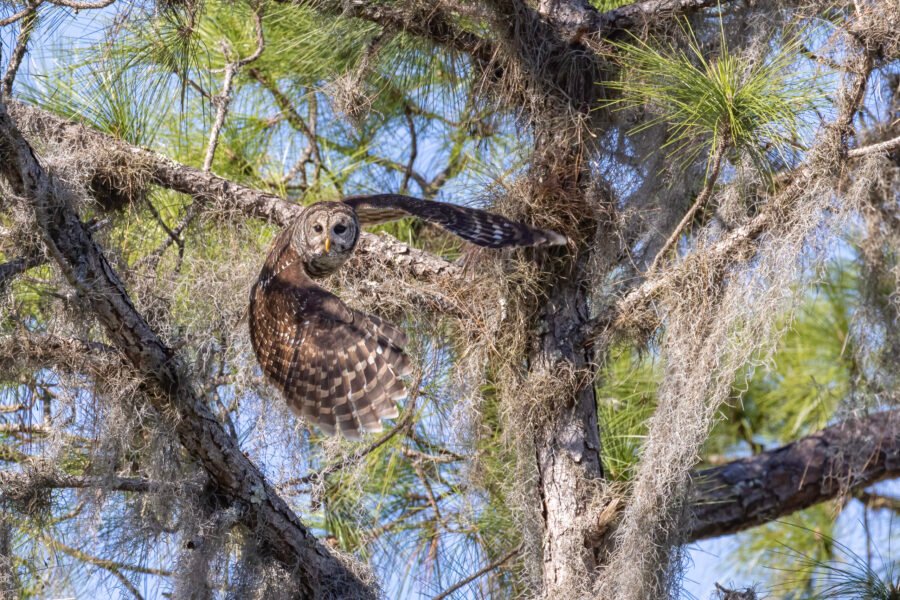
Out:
{"x": 337, "y": 367}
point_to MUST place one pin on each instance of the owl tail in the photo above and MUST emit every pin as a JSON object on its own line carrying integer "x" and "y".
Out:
{"x": 370, "y": 384}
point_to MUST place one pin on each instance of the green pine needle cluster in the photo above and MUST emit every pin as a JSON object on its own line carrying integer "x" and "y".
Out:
{"x": 754, "y": 105}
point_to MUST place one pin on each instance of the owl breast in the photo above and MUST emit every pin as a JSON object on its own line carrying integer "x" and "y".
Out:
{"x": 326, "y": 264}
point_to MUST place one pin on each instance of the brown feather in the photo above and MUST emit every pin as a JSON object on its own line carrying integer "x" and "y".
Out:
{"x": 337, "y": 367}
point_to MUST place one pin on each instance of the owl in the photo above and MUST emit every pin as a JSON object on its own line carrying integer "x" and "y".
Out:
{"x": 337, "y": 367}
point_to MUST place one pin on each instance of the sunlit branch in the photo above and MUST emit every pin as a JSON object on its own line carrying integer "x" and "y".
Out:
{"x": 879, "y": 501}
{"x": 885, "y": 146}
{"x": 15, "y": 58}
{"x": 223, "y": 100}
{"x": 82, "y": 5}
{"x": 208, "y": 189}
{"x": 29, "y": 9}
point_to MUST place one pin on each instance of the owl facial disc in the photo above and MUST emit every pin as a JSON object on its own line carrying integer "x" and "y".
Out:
{"x": 325, "y": 236}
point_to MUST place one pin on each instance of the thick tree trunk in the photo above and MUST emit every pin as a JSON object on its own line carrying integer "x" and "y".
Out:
{"x": 567, "y": 449}
{"x": 567, "y": 442}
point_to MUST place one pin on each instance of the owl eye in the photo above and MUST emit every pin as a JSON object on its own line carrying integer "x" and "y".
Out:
{"x": 340, "y": 228}
{"x": 317, "y": 228}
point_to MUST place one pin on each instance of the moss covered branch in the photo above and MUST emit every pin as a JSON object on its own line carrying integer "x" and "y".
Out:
{"x": 317, "y": 571}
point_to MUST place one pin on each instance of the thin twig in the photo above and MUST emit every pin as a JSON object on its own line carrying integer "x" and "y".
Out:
{"x": 102, "y": 562}
{"x": 885, "y": 146}
{"x": 20, "y": 15}
{"x": 19, "y": 428}
{"x": 494, "y": 565}
{"x": 879, "y": 501}
{"x": 173, "y": 236}
{"x": 413, "y": 150}
{"x": 224, "y": 98}
{"x": 82, "y": 5}
{"x": 15, "y": 59}
{"x": 702, "y": 197}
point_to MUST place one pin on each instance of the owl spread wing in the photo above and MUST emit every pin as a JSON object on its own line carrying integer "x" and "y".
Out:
{"x": 471, "y": 224}
{"x": 337, "y": 367}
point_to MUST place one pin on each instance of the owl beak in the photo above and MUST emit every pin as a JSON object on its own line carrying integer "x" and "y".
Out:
{"x": 327, "y": 245}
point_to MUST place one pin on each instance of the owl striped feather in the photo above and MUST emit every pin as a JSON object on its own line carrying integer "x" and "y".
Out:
{"x": 471, "y": 224}
{"x": 337, "y": 367}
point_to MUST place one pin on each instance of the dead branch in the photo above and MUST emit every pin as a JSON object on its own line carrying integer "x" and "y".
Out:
{"x": 47, "y": 350}
{"x": 702, "y": 197}
{"x": 223, "y": 100}
{"x": 879, "y": 501}
{"x": 759, "y": 489}
{"x": 19, "y": 15}
{"x": 82, "y": 5}
{"x": 885, "y": 146}
{"x": 15, "y": 59}
{"x": 21, "y": 480}
{"x": 317, "y": 572}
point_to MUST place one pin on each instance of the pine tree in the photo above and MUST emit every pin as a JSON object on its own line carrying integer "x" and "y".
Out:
{"x": 714, "y": 353}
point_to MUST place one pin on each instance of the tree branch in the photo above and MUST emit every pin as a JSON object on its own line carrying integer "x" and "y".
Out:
{"x": 18, "y": 53}
{"x": 886, "y": 146}
{"x": 773, "y": 484}
{"x": 210, "y": 189}
{"x": 429, "y": 21}
{"x": 635, "y": 311}
{"x": 640, "y": 14}
{"x": 12, "y": 480}
{"x": 716, "y": 162}
{"x": 223, "y": 100}
{"x": 317, "y": 572}
{"x": 879, "y": 501}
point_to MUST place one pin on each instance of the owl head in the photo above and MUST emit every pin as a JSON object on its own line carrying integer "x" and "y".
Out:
{"x": 325, "y": 236}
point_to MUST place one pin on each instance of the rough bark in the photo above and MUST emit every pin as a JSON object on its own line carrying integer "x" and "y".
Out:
{"x": 317, "y": 572}
{"x": 567, "y": 442}
{"x": 568, "y": 449}
{"x": 8, "y": 580}
{"x": 772, "y": 484}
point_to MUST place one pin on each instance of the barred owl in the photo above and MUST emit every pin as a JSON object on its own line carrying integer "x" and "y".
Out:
{"x": 338, "y": 367}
